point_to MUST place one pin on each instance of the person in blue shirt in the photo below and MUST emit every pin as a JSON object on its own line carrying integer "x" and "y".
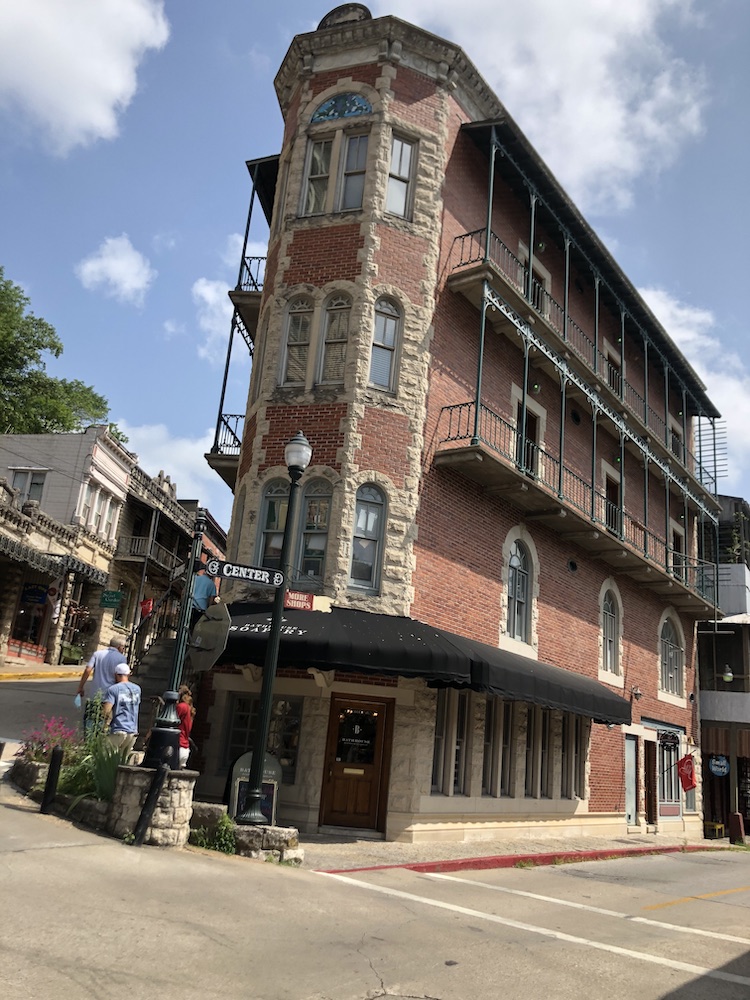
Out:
{"x": 121, "y": 704}
{"x": 204, "y": 593}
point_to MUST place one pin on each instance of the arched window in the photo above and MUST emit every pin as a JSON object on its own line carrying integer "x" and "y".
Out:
{"x": 367, "y": 543}
{"x": 519, "y": 590}
{"x": 273, "y": 520}
{"x": 299, "y": 320}
{"x": 342, "y": 106}
{"x": 672, "y": 658}
{"x": 316, "y": 512}
{"x": 610, "y": 634}
{"x": 335, "y": 337}
{"x": 384, "y": 344}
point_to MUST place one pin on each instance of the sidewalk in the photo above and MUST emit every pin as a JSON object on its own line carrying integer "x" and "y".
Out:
{"x": 330, "y": 853}
{"x": 26, "y": 670}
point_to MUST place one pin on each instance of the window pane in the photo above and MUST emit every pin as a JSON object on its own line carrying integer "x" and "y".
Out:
{"x": 380, "y": 367}
{"x": 354, "y": 186}
{"x": 317, "y": 178}
{"x": 395, "y": 200}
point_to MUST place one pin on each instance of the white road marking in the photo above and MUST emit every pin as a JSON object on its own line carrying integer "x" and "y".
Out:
{"x": 594, "y": 909}
{"x": 693, "y": 970}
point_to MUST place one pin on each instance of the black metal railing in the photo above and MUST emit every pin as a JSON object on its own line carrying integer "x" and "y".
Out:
{"x": 229, "y": 434}
{"x": 457, "y": 423}
{"x": 252, "y": 273}
{"x": 468, "y": 248}
{"x": 162, "y": 621}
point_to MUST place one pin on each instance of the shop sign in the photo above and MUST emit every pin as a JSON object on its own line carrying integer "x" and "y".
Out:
{"x": 34, "y": 593}
{"x": 110, "y": 599}
{"x": 718, "y": 765}
{"x": 298, "y": 600}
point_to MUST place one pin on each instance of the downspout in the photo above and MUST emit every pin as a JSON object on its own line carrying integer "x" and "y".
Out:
{"x": 490, "y": 197}
{"x": 622, "y": 485}
{"x": 597, "y": 304}
{"x": 524, "y": 397}
{"x": 622, "y": 353}
{"x": 594, "y": 415}
{"x": 566, "y": 290}
{"x": 532, "y": 231}
{"x": 480, "y": 361}
{"x": 645, "y": 381}
{"x": 645, "y": 505}
{"x": 667, "y": 435}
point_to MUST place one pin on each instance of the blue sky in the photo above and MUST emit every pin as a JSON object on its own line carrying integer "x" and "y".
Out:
{"x": 125, "y": 126}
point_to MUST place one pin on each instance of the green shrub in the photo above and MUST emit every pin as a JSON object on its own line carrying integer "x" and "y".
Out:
{"x": 220, "y": 839}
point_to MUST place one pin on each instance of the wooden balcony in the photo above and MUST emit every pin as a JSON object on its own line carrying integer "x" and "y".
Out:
{"x": 550, "y": 492}
{"x": 136, "y": 548}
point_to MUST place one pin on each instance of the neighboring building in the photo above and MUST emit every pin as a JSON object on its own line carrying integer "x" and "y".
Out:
{"x": 724, "y": 659}
{"x": 125, "y": 535}
{"x": 503, "y": 449}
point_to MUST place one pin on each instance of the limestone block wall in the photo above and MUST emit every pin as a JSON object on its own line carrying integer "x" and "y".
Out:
{"x": 170, "y": 824}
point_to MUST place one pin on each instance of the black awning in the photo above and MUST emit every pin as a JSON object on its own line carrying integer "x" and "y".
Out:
{"x": 359, "y": 642}
{"x": 519, "y": 678}
{"x": 350, "y": 640}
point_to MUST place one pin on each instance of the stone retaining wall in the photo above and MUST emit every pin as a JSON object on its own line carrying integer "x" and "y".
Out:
{"x": 170, "y": 823}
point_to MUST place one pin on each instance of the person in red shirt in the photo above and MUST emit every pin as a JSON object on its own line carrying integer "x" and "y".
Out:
{"x": 186, "y": 712}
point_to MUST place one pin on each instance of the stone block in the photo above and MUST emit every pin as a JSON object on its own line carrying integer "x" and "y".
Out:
{"x": 292, "y": 856}
{"x": 276, "y": 838}
{"x": 248, "y": 838}
{"x": 206, "y": 814}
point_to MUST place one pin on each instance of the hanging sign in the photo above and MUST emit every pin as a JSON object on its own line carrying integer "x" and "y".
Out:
{"x": 718, "y": 765}
{"x": 110, "y": 599}
{"x": 298, "y": 599}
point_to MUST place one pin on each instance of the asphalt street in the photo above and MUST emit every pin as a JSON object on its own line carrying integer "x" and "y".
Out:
{"x": 86, "y": 916}
{"x": 24, "y": 703}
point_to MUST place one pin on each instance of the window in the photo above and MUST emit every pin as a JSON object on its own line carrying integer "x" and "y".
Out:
{"x": 499, "y": 757}
{"x": 367, "y": 543}
{"x": 353, "y": 180}
{"x": 668, "y": 753}
{"x": 338, "y": 312}
{"x": 283, "y": 737}
{"x": 671, "y": 660}
{"x": 86, "y": 503}
{"x": 612, "y": 505}
{"x": 109, "y": 517}
{"x": 399, "y": 177}
{"x": 342, "y": 106}
{"x": 99, "y": 504}
{"x": 573, "y": 756}
{"x": 384, "y": 343}
{"x": 275, "y": 503}
{"x": 299, "y": 320}
{"x": 450, "y": 752}
{"x": 318, "y": 171}
{"x": 610, "y": 634}
{"x": 518, "y": 593}
{"x": 315, "y": 518}
{"x": 30, "y": 483}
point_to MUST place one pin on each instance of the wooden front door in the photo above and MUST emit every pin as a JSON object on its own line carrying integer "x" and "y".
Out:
{"x": 358, "y": 752}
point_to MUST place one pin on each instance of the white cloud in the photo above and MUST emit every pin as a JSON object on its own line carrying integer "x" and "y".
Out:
{"x": 724, "y": 373}
{"x": 593, "y": 83}
{"x": 117, "y": 269}
{"x": 183, "y": 460}
{"x": 70, "y": 69}
{"x": 173, "y": 329}
{"x": 214, "y": 317}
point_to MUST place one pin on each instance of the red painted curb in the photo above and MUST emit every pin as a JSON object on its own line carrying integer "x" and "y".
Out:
{"x": 512, "y": 860}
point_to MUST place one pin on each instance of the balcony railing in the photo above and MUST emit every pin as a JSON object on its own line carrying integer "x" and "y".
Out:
{"x": 469, "y": 249}
{"x": 252, "y": 274}
{"x": 137, "y": 547}
{"x": 229, "y": 434}
{"x": 567, "y": 486}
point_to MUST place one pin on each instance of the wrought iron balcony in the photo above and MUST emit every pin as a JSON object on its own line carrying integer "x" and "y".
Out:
{"x": 551, "y": 492}
{"x": 224, "y": 456}
{"x": 468, "y": 252}
{"x": 247, "y": 294}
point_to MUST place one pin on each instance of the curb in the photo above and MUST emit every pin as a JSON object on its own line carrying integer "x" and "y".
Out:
{"x": 527, "y": 860}
{"x": 37, "y": 675}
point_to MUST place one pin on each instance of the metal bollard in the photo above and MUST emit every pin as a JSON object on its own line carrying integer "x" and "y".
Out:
{"x": 152, "y": 797}
{"x": 53, "y": 776}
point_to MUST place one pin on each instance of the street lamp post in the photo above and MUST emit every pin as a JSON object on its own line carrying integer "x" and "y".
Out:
{"x": 164, "y": 743}
{"x": 297, "y": 456}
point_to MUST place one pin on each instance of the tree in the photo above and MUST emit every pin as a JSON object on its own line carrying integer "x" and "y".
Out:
{"x": 31, "y": 401}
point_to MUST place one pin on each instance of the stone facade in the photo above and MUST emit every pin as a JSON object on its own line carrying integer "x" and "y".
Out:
{"x": 170, "y": 823}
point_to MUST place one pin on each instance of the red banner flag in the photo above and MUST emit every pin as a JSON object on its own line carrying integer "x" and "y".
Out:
{"x": 686, "y": 772}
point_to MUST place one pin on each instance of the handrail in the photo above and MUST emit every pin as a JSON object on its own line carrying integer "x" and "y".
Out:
{"x": 229, "y": 434}
{"x": 138, "y": 545}
{"x": 252, "y": 274}
{"x": 567, "y": 486}
{"x": 149, "y": 629}
{"x": 471, "y": 251}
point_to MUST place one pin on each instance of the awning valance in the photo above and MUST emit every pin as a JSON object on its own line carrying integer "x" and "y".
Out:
{"x": 359, "y": 642}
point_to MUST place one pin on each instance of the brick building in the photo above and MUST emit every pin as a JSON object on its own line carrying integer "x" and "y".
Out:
{"x": 504, "y": 444}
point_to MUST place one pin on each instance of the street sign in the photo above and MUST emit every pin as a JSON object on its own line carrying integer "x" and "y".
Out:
{"x": 208, "y": 640}
{"x": 110, "y": 599}
{"x": 236, "y": 571}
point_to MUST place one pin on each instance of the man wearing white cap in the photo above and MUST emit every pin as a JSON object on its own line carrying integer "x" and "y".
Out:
{"x": 121, "y": 704}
